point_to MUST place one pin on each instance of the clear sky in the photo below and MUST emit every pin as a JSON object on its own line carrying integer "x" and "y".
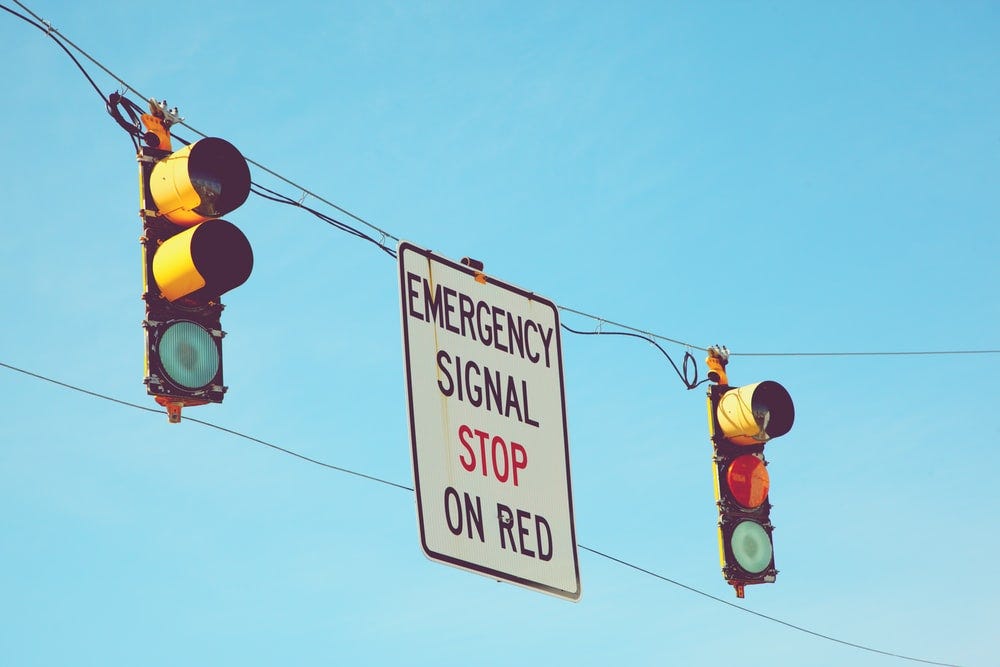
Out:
{"x": 773, "y": 176}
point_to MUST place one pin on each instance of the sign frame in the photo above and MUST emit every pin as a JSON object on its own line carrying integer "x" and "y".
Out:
{"x": 427, "y": 439}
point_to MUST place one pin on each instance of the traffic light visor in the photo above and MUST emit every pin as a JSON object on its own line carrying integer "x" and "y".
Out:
{"x": 203, "y": 180}
{"x": 754, "y": 414}
{"x": 189, "y": 354}
{"x": 212, "y": 257}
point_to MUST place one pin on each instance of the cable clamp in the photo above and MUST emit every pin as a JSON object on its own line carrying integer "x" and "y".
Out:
{"x": 161, "y": 111}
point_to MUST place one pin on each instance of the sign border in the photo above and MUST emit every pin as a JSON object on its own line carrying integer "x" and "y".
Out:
{"x": 429, "y": 255}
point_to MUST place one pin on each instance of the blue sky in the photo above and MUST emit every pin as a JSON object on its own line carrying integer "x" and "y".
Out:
{"x": 776, "y": 177}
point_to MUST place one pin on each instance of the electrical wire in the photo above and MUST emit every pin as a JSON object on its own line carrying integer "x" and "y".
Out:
{"x": 404, "y": 487}
{"x": 56, "y": 36}
{"x": 59, "y": 38}
{"x": 759, "y": 614}
{"x": 690, "y": 383}
{"x": 47, "y": 28}
{"x": 862, "y": 354}
{"x": 134, "y": 129}
{"x": 271, "y": 195}
{"x": 266, "y": 193}
{"x": 238, "y": 434}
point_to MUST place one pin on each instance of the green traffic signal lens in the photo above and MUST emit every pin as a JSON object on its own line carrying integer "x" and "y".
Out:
{"x": 751, "y": 546}
{"x": 189, "y": 355}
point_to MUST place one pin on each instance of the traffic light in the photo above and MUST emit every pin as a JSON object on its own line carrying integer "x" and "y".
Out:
{"x": 741, "y": 421}
{"x": 190, "y": 258}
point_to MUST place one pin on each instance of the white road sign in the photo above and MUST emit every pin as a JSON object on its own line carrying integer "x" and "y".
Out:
{"x": 487, "y": 425}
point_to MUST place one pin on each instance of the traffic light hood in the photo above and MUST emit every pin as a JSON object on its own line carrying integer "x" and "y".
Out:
{"x": 754, "y": 414}
{"x": 208, "y": 259}
{"x": 203, "y": 180}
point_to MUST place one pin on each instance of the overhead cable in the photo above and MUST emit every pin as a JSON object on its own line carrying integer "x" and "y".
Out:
{"x": 383, "y": 235}
{"x": 386, "y": 482}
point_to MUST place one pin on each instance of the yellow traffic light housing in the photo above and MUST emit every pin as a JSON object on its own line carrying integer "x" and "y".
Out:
{"x": 202, "y": 181}
{"x": 741, "y": 420}
{"x": 190, "y": 257}
{"x": 756, "y": 413}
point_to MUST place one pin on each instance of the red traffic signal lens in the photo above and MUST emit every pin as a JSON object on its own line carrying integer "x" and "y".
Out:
{"x": 748, "y": 480}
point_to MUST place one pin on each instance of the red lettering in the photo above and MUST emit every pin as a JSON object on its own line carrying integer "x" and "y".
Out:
{"x": 483, "y": 437}
{"x": 497, "y": 440}
{"x": 464, "y": 432}
{"x": 503, "y": 461}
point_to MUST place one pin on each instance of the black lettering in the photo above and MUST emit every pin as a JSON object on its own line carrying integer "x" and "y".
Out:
{"x": 456, "y": 529}
{"x": 486, "y": 336}
{"x": 433, "y": 312}
{"x": 533, "y": 357}
{"x": 465, "y": 311}
{"x": 442, "y": 359}
{"x": 512, "y": 400}
{"x": 474, "y": 517}
{"x": 505, "y": 524}
{"x": 493, "y": 390}
{"x": 516, "y": 330}
{"x": 411, "y": 292}
{"x": 547, "y": 342}
{"x": 449, "y": 308}
{"x": 473, "y": 389}
{"x": 544, "y": 551}
{"x": 524, "y": 393}
{"x": 522, "y": 531}
{"x": 498, "y": 314}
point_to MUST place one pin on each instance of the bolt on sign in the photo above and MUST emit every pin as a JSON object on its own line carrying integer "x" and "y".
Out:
{"x": 488, "y": 432}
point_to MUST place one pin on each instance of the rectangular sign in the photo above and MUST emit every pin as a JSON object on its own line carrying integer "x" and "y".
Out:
{"x": 488, "y": 432}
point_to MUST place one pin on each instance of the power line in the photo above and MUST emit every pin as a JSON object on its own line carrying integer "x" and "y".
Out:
{"x": 863, "y": 354}
{"x": 384, "y": 235}
{"x": 404, "y": 487}
{"x": 757, "y": 613}
{"x": 637, "y": 333}
{"x": 52, "y": 32}
{"x": 251, "y": 438}
{"x": 689, "y": 382}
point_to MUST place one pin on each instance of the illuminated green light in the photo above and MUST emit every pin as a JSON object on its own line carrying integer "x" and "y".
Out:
{"x": 189, "y": 355}
{"x": 751, "y": 546}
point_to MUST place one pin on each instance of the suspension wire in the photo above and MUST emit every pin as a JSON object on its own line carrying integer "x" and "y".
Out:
{"x": 111, "y": 102}
{"x": 602, "y": 320}
{"x": 279, "y": 198}
{"x": 404, "y": 487}
{"x": 53, "y": 31}
{"x": 105, "y": 397}
{"x": 688, "y": 363}
{"x": 115, "y": 100}
{"x": 861, "y": 354}
{"x": 759, "y": 614}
